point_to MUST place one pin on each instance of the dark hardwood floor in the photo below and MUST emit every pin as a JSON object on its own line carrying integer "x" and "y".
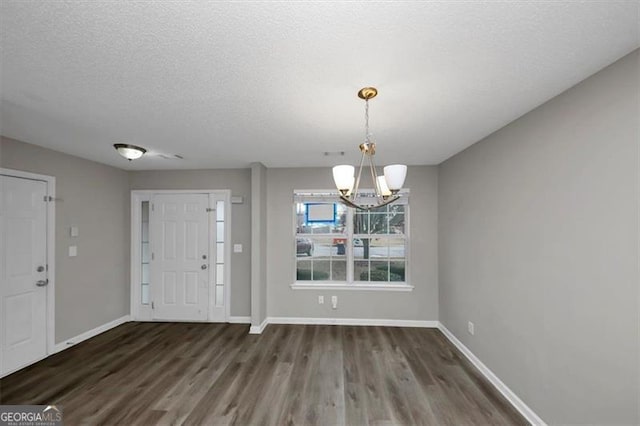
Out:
{"x": 162, "y": 373}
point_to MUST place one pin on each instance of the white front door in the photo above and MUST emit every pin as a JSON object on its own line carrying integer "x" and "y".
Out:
{"x": 179, "y": 224}
{"x": 23, "y": 275}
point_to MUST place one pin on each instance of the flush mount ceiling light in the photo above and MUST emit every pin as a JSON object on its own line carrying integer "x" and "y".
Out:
{"x": 130, "y": 152}
{"x": 387, "y": 187}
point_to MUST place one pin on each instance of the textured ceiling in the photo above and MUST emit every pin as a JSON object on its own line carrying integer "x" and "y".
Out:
{"x": 226, "y": 84}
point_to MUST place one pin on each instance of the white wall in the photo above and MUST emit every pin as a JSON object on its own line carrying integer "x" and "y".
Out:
{"x": 538, "y": 230}
{"x": 239, "y": 182}
{"x": 93, "y": 288}
{"x": 420, "y": 304}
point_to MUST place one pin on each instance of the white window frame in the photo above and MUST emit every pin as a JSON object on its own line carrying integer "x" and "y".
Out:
{"x": 320, "y": 195}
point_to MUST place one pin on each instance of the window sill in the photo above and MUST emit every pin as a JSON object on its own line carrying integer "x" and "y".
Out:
{"x": 303, "y": 285}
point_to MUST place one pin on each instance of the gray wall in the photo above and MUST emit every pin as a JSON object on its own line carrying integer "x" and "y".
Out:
{"x": 239, "y": 182}
{"x": 258, "y": 244}
{"x": 92, "y": 288}
{"x": 420, "y": 304}
{"x": 539, "y": 248}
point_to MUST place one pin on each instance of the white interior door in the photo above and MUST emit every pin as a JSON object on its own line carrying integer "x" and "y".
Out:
{"x": 23, "y": 275}
{"x": 179, "y": 272}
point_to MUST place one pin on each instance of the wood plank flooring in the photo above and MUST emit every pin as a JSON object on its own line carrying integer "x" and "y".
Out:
{"x": 210, "y": 374}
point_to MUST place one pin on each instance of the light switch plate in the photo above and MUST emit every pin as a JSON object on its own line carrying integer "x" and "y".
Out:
{"x": 237, "y": 248}
{"x": 74, "y": 231}
{"x": 73, "y": 251}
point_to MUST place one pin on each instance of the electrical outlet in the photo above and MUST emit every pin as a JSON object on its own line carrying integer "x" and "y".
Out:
{"x": 334, "y": 302}
{"x": 320, "y": 300}
{"x": 470, "y": 327}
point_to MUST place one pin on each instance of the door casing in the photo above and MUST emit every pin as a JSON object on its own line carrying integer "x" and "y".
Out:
{"x": 51, "y": 261}
{"x": 141, "y": 312}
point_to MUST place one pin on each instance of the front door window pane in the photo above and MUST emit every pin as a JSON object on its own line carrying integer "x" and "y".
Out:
{"x": 145, "y": 254}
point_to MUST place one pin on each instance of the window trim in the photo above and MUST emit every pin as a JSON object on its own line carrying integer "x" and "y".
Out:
{"x": 320, "y": 195}
{"x": 357, "y": 285}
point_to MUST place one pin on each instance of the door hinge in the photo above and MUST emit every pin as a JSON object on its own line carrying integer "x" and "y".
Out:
{"x": 153, "y": 256}
{"x": 153, "y": 207}
{"x": 153, "y": 306}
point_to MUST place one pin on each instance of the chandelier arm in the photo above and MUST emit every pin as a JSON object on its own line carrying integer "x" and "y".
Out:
{"x": 354, "y": 192}
{"x": 350, "y": 203}
{"x": 388, "y": 201}
{"x": 374, "y": 177}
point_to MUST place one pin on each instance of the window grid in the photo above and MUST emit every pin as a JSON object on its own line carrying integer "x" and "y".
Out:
{"x": 220, "y": 241}
{"x": 376, "y": 253}
{"x": 144, "y": 254}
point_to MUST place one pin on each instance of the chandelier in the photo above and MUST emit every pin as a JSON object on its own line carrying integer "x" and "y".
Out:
{"x": 386, "y": 188}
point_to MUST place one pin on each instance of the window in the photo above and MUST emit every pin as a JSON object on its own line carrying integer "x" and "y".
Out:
{"x": 320, "y": 228}
{"x": 379, "y": 243}
{"x": 220, "y": 253}
{"x": 145, "y": 255}
{"x": 338, "y": 245}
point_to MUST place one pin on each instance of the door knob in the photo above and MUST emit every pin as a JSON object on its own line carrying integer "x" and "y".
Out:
{"x": 204, "y": 266}
{"x": 40, "y": 268}
{"x": 42, "y": 283}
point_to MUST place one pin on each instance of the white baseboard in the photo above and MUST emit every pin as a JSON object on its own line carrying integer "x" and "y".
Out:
{"x": 517, "y": 403}
{"x": 239, "y": 320}
{"x": 91, "y": 333}
{"x": 354, "y": 321}
{"x": 258, "y": 329}
{"x": 342, "y": 321}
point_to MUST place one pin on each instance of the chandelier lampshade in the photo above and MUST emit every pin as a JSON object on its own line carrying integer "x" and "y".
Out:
{"x": 395, "y": 175}
{"x": 343, "y": 178}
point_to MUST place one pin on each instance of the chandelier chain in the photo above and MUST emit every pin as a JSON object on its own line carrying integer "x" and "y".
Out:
{"x": 367, "y": 135}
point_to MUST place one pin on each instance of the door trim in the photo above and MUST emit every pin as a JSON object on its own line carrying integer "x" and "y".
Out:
{"x": 143, "y": 313}
{"x": 50, "y": 248}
